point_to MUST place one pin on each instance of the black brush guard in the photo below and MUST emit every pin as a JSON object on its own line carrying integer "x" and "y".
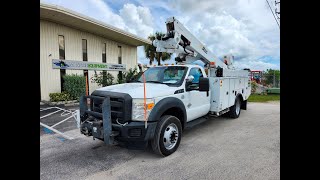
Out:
{"x": 108, "y": 118}
{"x": 97, "y": 119}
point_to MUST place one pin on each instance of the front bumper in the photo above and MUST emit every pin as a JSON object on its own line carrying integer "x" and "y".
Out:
{"x": 135, "y": 131}
{"x": 133, "y": 135}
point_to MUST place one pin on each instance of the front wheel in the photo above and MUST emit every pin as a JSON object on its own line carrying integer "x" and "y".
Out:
{"x": 235, "y": 109}
{"x": 167, "y": 136}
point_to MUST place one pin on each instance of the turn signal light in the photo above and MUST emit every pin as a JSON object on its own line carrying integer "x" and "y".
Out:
{"x": 150, "y": 106}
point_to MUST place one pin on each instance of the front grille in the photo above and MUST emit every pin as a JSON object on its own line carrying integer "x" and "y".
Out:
{"x": 120, "y": 105}
{"x": 117, "y": 109}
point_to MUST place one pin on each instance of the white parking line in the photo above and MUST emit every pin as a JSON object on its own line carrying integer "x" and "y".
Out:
{"x": 74, "y": 114}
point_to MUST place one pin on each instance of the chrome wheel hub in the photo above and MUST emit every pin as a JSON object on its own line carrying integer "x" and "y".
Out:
{"x": 170, "y": 136}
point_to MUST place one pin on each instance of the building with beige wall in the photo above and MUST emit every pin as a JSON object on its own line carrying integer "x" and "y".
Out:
{"x": 67, "y": 35}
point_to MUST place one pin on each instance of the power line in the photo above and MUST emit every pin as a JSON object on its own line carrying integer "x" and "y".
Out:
{"x": 273, "y": 14}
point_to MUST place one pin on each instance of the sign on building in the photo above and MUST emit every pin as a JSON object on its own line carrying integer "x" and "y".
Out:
{"x": 86, "y": 65}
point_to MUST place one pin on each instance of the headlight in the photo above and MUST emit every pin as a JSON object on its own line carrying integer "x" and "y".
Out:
{"x": 138, "y": 108}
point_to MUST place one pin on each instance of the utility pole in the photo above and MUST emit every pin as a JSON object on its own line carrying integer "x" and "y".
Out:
{"x": 278, "y": 17}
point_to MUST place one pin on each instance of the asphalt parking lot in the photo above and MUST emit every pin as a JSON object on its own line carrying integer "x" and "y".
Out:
{"x": 220, "y": 148}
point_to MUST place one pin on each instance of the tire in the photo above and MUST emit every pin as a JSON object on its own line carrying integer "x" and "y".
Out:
{"x": 169, "y": 127}
{"x": 235, "y": 110}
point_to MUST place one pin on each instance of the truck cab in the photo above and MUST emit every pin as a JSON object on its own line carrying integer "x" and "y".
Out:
{"x": 177, "y": 81}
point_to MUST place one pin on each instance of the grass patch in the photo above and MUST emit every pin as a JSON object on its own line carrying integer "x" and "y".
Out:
{"x": 263, "y": 98}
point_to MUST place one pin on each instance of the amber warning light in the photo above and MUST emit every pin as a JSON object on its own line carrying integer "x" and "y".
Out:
{"x": 212, "y": 64}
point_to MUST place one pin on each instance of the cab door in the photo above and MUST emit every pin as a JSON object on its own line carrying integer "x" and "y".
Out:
{"x": 197, "y": 103}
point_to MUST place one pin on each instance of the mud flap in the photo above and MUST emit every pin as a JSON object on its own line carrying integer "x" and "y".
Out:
{"x": 244, "y": 105}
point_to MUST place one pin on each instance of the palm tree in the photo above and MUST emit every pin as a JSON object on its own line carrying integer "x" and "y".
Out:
{"x": 150, "y": 50}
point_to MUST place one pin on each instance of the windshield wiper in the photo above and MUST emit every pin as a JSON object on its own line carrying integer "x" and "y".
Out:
{"x": 134, "y": 81}
{"x": 159, "y": 82}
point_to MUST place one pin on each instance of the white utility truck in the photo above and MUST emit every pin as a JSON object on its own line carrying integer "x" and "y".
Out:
{"x": 164, "y": 100}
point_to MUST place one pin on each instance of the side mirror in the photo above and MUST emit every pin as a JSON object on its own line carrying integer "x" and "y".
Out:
{"x": 189, "y": 86}
{"x": 204, "y": 84}
{"x": 190, "y": 79}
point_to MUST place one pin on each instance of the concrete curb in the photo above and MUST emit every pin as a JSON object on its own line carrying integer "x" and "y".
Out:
{"x": 65, "y": 103}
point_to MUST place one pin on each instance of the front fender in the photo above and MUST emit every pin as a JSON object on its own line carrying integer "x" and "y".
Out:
{"x": 163, "y": 105}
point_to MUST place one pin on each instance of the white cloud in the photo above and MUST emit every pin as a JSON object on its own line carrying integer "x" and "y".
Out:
{"x": 221, "y": 33}
{"x": 268, "y": 45}
{"x": 104, "y": 13}
{"x": 255, "y": 65}
{"x": 138, "y": 20}
{"x": 200, "y": 6}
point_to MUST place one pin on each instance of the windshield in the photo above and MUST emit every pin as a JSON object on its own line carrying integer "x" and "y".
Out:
{"x": 165, "y": 75}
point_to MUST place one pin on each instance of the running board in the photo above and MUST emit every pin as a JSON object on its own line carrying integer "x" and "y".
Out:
{"x": 217, "y": 114}
{"x": 195, "y": 122}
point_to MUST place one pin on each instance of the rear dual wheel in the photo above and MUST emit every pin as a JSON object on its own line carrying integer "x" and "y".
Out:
{"x": 235, "y": 109}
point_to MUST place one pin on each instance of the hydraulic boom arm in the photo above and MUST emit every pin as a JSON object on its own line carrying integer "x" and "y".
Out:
{"x": 180, "y": 41}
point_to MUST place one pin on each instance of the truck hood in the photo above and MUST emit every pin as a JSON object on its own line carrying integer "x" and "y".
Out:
{"x": 135, "y": 90}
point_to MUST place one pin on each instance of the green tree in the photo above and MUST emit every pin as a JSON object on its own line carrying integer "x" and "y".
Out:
{"x": 272, "y": 75}
{"x": 150, "y": 50}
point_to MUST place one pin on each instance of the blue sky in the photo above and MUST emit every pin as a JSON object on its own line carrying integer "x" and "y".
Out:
{"x": 245, "y": 28}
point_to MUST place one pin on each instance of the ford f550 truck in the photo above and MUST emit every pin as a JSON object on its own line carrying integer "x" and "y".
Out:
{"x": 159, "y": 104}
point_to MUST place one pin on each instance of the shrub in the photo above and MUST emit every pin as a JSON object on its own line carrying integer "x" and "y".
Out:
{"x": 103, "y": 79}
{"x": 75, "y": 85}
{"x": 106, "y": 79}
{"x": 130, "y": 74}
{"x": 127, "y": 76}
{"x": 120, "y": 78}
{"x": 54, "y": 97}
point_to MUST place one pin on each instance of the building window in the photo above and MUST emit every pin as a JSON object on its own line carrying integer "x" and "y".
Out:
{"x": 119, "y": 55}
{"x": 104, "y": 57}
{"x": 61, "y": 47}
{"x": 62, "y": 54}
{"x": 85, "y": 58}
{"x": 84, "y": 50}
{"x": 120, "y": 62}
